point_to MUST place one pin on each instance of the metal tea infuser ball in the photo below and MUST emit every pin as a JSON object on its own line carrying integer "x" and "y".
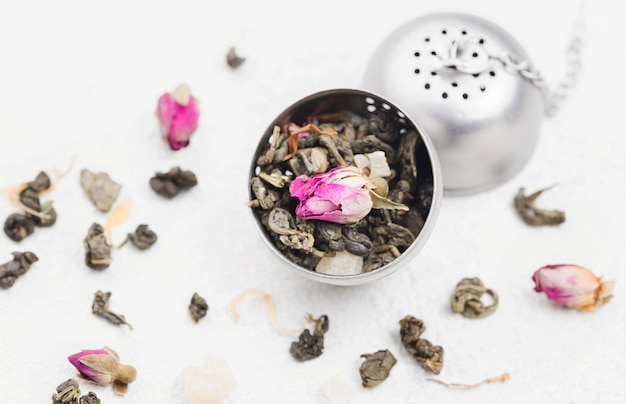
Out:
{"x": 470, "y": 85}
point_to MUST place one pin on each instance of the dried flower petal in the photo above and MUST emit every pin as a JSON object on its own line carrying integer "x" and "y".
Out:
{"x": 178, "y": 115}
{"x": 103, "y": 367}
{"x": 573, "y": 286}
{"x": 171, "y": 183}
{"x": 503, "y": 377}
{"x": 10, "y": 271}
{"x": 270, "y": 309}
{"x": 118, "y": 216}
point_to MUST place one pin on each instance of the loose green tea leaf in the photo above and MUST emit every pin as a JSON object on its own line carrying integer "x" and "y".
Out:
{"x": 97, "y": 248}
{"x": 466, "y": 299}
{"x": 198, "y": 307}
{"x": 100, "y": 307}
{"x": 233, "y": 60}
{"x": 142, "y": 238}
{"x": 310, "y": 346}
{"x": 426, "y": 354}
{"x": 68, "y": 392}
{"x": 90, "y": 398}
{"x": 532, "y": 215}
{"x": 376, "y": 367}
{"x": 18, "y": 226}
{"x": 100, "y": 188}
{"x": 10, "y": 271}
{"x": 171, "y": 183}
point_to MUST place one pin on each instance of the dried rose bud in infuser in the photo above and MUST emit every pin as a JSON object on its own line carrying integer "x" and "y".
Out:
{"x": 103, "y": 367}
{"x": 573, "y": 286}
{"x": 342, "y": 195}
{"x": 178, "y": 116}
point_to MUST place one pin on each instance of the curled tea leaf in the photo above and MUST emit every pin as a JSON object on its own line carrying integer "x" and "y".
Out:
{"x": 376, "y": 367}
{"x": 18, "y": 226}
{"x": 68, "y": 392}
{"x": 171, "y": 183}
{"x": 10, "y": 271}
{"x": 466, "y": 299}
{"x": 97, "y": 248}
{"x": 426, "y": 354}
{"x": 310, "y": 346}
{"x": 100, "y": 188}
{"x": 142, "y": 238}
{"x": 198, "y": 307}
{"x": 534, "y": 216}
{"x": 100, "y": 307}
{"x": 90, "y": 398}
{"x": 233, "y": 60}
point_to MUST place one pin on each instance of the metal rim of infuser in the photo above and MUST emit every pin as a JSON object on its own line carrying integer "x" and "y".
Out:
{"x": 469, "y": 84}
{"x": 359, "y": 102}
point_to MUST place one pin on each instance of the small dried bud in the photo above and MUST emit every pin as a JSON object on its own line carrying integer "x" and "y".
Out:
{"x": 103, "y": 367}
{"x": 573, "y": 286}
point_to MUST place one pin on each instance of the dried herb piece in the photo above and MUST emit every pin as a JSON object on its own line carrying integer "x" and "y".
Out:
{"x": 171, "y": 183}
{"x": 503, "y": 377}
{"x": 18, "y": 226}
{"x": 97, "y": 248}
{"x": 100, "y": 307}
{"x": 198, "y": 307}
{"x": 376, "y": 367}
{"x": 270, "y": 308}
{"x": 142, "y": 238}
{"x": 68, "y": 392}
{"x": 90, "y": 398}
{"x": 466, "y": 299}
{"x": 533, "y": 216}
{"x": 428, "y": 355}
{"x": 100, "y": 188}
{"x": 103, "y": 367}
{"x": 233, "y": 60}
{"x": 10, "y": 271}
{"x": 310, "y": 346}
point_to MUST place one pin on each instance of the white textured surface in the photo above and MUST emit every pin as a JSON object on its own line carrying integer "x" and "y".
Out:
{"x": 81, "y": 82}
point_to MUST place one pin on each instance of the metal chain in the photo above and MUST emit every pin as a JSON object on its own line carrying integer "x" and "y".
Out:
{"x": 553, "y": 98}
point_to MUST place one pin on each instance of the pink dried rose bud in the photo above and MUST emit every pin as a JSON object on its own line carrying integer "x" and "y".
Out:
{"x": 573, "y": 286}
{"x": 341, "y": 195}
{"x": 178, "y": 116}
{"x": 103, "y": 366}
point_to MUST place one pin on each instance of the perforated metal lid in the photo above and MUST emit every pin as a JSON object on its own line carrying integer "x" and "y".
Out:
{"x": 447, "y": 72}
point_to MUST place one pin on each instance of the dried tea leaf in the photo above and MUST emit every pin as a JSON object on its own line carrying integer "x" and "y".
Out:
{"x": 233, "y": 60}
{"x": 40, "y": 183}
{"x": 198, "y": 307}
{"x": 90, "y": 398}
{"x": 10, "y": 271}
{"x": 503, "y": 377}
{"x": 100, "y": 188}
{"x": 118, "y": 216}
{"x": 68, "y": 392}
{"x": 428, "y": 355}
{"x": 270, "y": 309}
{"x": 97, "y": 248}
{"x": 533, "y": 216}
{"x": 466, "y": 299}
{"x": 142, "y": 238}
{"x": 100, "y": 307}
{"x": 376, "y": 367}
{"x": 171, "y": 183}
{"x": 18, "y": 226}
{"x": 310, "y": 346}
